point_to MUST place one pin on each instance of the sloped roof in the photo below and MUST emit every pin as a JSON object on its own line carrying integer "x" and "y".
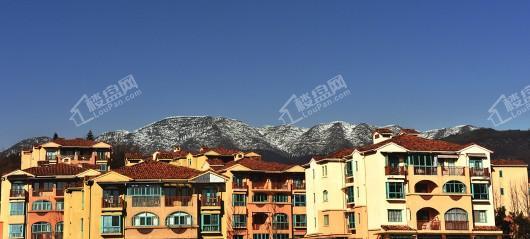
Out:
{"x": 220, "y": 150}
{"x": 507, "y": 162}
{"x": 415, "y": 143}
{"x": 172, "y": 154}
{"x": 136, "y": 155}
{"x": 384, "y": 131}
{"x": 409, "y": 131}
{"x": 258, "y": 165}
{"x": 215, "y": 162}
{"x": 150, "y": 169}
{"x": 74, "y": 142}
{"x": 59, "y": 169}
{"x": 397, "y": 228}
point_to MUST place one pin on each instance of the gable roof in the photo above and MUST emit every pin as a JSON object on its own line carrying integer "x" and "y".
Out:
{"x": 74, "y": 142}
{"x": 59, "y": 169}
{"x": 258, "y": 165}
{"x": 383, "y": 131}
{"x": 508, "y": 162}
{"x": 220, "y": 150}
{"x": 150, "y": 169}
{"x": 414, "y": 143}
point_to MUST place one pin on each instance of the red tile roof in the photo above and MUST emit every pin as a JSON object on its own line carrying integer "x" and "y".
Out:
{"x": 157, "y": 170}
{"x": 59, "y": 169}
{"x": 511, "y": 162}
{"x": 74, "y": 142}
{"x": 415, "y": 143}
{"x": 136, "y": 155}
{"x": 384, "y": 131}
{"x": 258, "y": 165}
{"x": 172, "y": 154}
{"x": 409, "y": 131}
{"x": 397, "y": 228}
{"x": 215, "y": 161}
{"x": 220, "y": 150}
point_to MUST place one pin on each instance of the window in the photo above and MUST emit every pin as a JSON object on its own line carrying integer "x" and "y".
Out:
{"x": 239, "y": 221}
{"x": 280, "y": 198}
{"x": 500, "y": 173}
{"x": 178, "y": 219}
{"x": 280, "y": 222}
{"x": 41, "y": 227}
{"x": 325, "y": 195}
{"x": 454, "y": 187}
{"x": 16, "y": 230}
{"x": 480, "y": 191}
{"x": 110, "y": 224}
{"x": 260, "y": 236}
{"x": 324, "y": 170}
{"x": 102, "y": 167}
{"x": 502, "y": 191}
{"x": 394, "y": 215}
{"x": 280, "y": 236}
{"x": 351, "y": 220}
{"x": 299, "y": 200}
{"x": 145, "y": 219}
{"x": 349, "y": 169}
{"x": 59, "y": 205}
{"x": 210, "y": 222}
{"x": 480, "y": 216}
{"x": 299, "y": 221}
{"x": 16, "y": 208}
{"x": 313, "y": 173}
{"x": 237, "y": 237}
{"x": 144, "y": 190}
{"x": 239, "y": 199}
{"x": 456, "y": 214}
{"x": 475, "y": 163}
{"x": 421, "y": 160}
{"x": 59, "y": 227}
{"x": 350, "y": 198}
{"x": 259, "y": 197}
{"x": 326, "y": 220}
{"x": 42, "y": 205}
{"x": 356, "y": 166}
{"x": 394, "y": 190}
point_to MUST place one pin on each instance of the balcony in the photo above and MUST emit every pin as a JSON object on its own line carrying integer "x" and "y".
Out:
{"x": 59, "y": 235}
{"x": 259, "y": 185}
{"x": 111, "y": 230}
{"x": 279, "y": 186}
{"x": 178, "y": 201}
{"x": 395, "y": 170}
{"x": 211, "y": 201}
{"x": 17, "y": 193}
{"x": 38, "y": 193}
{"x": 239, "y": 185}
{"x": 299, "y": 186}
{"x": 145, "y": 201}
{"x": 280, "y": 226}
{"x": 428, "y": 225}
{"x": 425, "y": 170}
{"x": 457, "y": 225}
{"x": 479, "y": 172}
{"x": 453, "y": 171}
{"x": 45, "y": 235}
{"x": 111, "y": 202}
{"x": 210, "y": 228}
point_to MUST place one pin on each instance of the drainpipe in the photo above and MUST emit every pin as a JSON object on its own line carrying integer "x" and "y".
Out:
{"x": 90, "y": 183}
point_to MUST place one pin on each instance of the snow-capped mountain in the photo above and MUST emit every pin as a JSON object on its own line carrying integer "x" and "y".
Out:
{"x": 24, "y": 144}
{"x": 446, "y": 132}
{"x": 191, "y": 132}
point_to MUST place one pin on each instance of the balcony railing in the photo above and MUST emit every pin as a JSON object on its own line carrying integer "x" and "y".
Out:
{"x": 456, "y": 225}
{"x": 259, "y": 185}
{"x": 239, "y": 185}
{"x": 425, "y": 170}
{"x": 111, "y": 202}
{"x": 85, "y": 157}
{"x": 38, "y": 193}
{"x": 210, "y": 200}
{"x": 111, "y": 230}
{"x": 279, "y": 185}
{"x": 210, "y": 228}
{"x": 17, "y": 193}
{"x": 453, "y": 171}
{"x": 428, "y": 225}
{"x": 280, "y": 225}
{"x": 45, "y": 235}
{"x": 145, "y": 201}
{"x": 240, "y": 225}
{"x": 395, "y": 170}
{"x": 299, "y": 185}
{"x": 173, "y": 201}
{"x": 479, "y": 172}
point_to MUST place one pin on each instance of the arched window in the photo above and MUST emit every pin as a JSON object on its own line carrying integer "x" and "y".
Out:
{"x": 454, "y": 187}
{"x": 145, "y": 219}
{"x": 41, "y": 227}
{"x": 280, "y": 222}
{"x": 42, "y": 205}
{"x": 325, "y": 195}
{"x": 59, "y": 228}
{"x": 456, "y": 214}
{"x": 178, "y": 219}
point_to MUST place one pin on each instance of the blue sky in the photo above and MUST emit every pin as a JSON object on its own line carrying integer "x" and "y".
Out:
{"x": 416, "y": 63}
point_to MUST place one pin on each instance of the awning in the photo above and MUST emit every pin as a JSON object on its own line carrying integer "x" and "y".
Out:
{"x": 445, "y": 156}
{"x": 478, "y": 155}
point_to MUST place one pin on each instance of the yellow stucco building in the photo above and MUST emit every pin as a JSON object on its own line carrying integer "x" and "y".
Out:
{"x": 510, "y": 185}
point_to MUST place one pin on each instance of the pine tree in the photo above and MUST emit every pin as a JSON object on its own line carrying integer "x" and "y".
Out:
{"x": 55, "y": 136}
{"x": 90, "y": 135}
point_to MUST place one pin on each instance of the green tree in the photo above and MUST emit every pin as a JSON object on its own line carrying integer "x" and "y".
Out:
{"x": 90, "y": 135}
{"x": 55, "y": 136}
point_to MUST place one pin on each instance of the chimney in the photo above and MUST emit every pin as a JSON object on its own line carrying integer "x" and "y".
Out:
{"x": 381, "y": 134}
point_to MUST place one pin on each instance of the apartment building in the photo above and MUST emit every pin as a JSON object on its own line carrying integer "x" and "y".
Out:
{"x": 264, "y": 200}
{"x": 68, "y": 151}
{"x": 32, "y": 199}
{"x": 147, "y": 200}
{"x": 402, "y": 186}
{"x": 510, "y": 185}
